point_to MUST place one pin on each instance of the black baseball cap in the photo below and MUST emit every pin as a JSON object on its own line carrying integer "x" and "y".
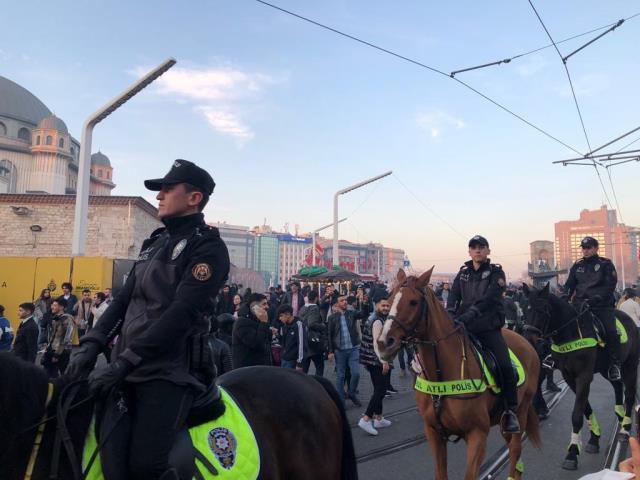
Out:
{"x": 184, "y": 171}
{"x": 478, "y": 240}
{"x": 589, "y": 242}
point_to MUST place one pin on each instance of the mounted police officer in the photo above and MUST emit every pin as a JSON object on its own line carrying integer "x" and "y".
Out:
{"x": 476, "y": 301}
{"x": 593, "y": 279}
{"x": 162, "y": 360}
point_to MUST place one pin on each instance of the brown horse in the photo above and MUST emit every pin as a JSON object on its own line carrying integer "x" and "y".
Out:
{"x": 446, "y": 355}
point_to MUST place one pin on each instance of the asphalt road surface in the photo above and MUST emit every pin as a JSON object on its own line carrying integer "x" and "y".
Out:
{"x": 401, "y": 452}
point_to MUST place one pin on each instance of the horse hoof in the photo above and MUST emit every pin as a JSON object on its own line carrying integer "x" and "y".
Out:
{"x": 591, "y": 448}
{"x": 570, "y": 464}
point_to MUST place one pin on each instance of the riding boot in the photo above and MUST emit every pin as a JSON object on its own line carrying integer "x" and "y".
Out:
{"x": 551, "y": 385}
{"x": 613, "y": 349}
{"x": 509, "y": 422}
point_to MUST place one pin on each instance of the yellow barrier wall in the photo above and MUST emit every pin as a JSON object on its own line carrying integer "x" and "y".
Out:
{"x": 23, "y": 278}
{"x": 16, "y": 285}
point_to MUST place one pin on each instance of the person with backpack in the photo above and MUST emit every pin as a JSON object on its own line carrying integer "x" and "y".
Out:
{"x": 317, "y": 334}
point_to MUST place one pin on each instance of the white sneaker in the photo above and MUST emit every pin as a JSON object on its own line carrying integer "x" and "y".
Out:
{"x": 382, "y": 423}
{"x": 367, "y": 427}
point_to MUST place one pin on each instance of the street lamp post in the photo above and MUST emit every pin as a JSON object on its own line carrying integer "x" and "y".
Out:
{"x": 336, "y": 260}
{"x": 84, "y": 179}
{"x": 313, "y": 237}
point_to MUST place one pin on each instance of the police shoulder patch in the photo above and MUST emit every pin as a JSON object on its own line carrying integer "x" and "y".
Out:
{"x": 201, "y": 272}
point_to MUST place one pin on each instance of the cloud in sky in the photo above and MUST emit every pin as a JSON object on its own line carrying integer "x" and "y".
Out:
{"x": 438, "y": 121}
{"x": 531, "y": 66}
{"x": 219, "y": 94}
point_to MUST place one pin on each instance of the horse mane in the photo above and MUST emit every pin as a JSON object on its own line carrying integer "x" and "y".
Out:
{"x": 23, "y": 387}
{"x": 558, "y": 304}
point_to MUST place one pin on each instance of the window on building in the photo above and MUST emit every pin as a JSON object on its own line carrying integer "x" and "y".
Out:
{"x": 24, "y": 134}
{"x": 38, "y": 140}
{"x": 108, "y": 175}
{"x": 61, "y": 143}
{"x": 3, "y": 129}
{"x": 8, "y": 177}
{"x": 73, "y": 151}
{"x": 99, "y": 173}
{"x": 49, "y": 140}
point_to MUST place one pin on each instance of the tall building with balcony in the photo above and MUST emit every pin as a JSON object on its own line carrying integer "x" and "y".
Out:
{"x": 618, "y": 242}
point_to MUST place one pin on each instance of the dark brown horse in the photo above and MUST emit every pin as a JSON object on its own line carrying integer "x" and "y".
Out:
{"x": 416, "y": 316}
{"x": 298, "y": 420}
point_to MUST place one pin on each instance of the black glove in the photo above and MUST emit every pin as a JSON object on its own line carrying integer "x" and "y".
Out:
{"x": 84, "y": 359}
{"x": 101, "y": 381}
{"x": 466, "y": 317}
{"x": 596, "y": 299}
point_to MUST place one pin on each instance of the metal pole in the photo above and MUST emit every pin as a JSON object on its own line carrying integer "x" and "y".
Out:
{"x": 335, "y": 210}
{"x": 313, "y": 236}
{"x": 84, "y": 180}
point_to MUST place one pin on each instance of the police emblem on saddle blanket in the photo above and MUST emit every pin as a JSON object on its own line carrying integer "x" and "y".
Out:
{"x": 227, "y": 443}
{"x": 467, "y": 386}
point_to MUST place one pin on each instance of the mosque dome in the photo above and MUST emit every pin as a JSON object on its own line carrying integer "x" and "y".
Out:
{"x": 19, "y": 103}
{"x": 100, "y": 159}
{"x": 53, "y": 123}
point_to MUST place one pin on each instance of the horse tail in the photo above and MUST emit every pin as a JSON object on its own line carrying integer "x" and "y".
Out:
{"x": 349, "y": 469}
{"x": 533, "y": 427}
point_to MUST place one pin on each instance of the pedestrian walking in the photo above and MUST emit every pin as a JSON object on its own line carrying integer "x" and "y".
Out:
{"x": 317, "y": 334}
{"x": 251, "y": 339}
{"x": 42, "y": 316}
{"x": 344, "y": 343}
{"x": 56, "y": 356}
{"x": 293, "y": 338}
{"x": 26, "y": 343}
{"x": 6, "y": 332}
{"x": 378, "y": 369}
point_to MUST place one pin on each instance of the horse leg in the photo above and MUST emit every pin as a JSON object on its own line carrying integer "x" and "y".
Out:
{"x": 593, "y": 445}
{"x": 438, "y": 447}
{"x": 476, "y": 448}
{"x": 581, "y": 386}
{"x": 630, "y": 379}
{"x": 516, "y": 467}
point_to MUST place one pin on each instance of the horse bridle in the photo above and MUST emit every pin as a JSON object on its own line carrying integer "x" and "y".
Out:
{"x": 547, "y": 318}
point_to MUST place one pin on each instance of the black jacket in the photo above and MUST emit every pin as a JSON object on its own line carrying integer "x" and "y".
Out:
{"x": 591, "y": 277}
{"x": 287, "y": 300}
{"x": 251, "y": 340}
{"x": 161, "y": 307}
{"x": 317, "y": 329}
{"x": 479, "y": 292}
{"x": 293, "y": 341}
{"x": 224, "y": 304}
{"x": 510, "y": 309}
{"x": 221, "y": 355}
{"x": 26, "y": 343}
{"x": 352, "y": 317}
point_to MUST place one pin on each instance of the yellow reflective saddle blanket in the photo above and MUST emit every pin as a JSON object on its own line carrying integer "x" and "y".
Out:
{"x": 588, "y": 342}
{"x": 469, "y": 385}
{"x": 228, "y": 443}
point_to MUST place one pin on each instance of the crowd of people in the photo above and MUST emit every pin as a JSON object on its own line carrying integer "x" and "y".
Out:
{"x": 51, "y": 325}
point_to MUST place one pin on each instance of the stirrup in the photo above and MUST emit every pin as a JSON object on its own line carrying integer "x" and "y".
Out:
{"x": 548, "y": 362}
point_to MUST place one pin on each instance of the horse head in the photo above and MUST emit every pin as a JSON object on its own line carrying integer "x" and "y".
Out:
{"x": 539, "y": 312}
{"x": 410, "y": 299}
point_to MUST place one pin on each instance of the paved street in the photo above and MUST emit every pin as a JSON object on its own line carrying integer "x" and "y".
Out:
{"x": 401, "y": 450}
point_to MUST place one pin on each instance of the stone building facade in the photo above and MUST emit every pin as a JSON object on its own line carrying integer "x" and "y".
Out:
{"x": 42, "y": 225}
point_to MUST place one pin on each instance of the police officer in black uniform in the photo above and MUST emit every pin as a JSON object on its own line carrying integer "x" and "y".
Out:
{"x": 593, "y": 279}
{"x": 476, "y": 301}
{"x": 160, "y": 360}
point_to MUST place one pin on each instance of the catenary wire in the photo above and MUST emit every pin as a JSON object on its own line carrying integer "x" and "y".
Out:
{"x": 423, "y": 65}
{"x": 575, "y": 99}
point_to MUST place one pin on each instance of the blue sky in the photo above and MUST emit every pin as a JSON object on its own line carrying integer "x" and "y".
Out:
{"x": 283, "y": 113}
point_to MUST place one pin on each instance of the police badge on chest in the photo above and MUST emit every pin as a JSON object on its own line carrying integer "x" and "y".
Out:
{"x": 177, "y": 250}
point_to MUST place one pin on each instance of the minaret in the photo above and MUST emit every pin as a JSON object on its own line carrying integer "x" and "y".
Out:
{"x": 50, "y": 147}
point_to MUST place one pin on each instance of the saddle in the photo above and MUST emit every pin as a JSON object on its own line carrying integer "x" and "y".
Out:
{"x": 209, "y": 446}
{"x": 490, "y": 368}
{"x": 601, "y": 336}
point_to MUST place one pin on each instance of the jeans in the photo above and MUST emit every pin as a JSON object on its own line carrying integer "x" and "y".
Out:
{"x": 288, "y": 364}
{"x": 318, "y": 362}
{"x": 379, "y": 381}
{"x": 349, "y": 357}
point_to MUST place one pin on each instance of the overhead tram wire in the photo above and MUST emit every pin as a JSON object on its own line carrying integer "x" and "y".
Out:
{"x": 423, "y": 65}
{"x": 575, "y": 99}
{"x": 573, "y": 37}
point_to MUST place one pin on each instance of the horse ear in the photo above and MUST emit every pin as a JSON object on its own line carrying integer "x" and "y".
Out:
{"x": 545, "y": 291}
{"x": 401, "y": 277}
{"x": 423, "y": 281}
{"x": 525, "y": 289}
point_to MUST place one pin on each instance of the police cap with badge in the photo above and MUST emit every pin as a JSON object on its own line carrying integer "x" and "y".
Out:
{"x": 589, "y": 242}
{"x": 184, "y": 171}
{"x": 478, "y": 240}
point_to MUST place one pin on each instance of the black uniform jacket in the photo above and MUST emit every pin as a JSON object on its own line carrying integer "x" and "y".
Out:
{"x": 593, "y": 276}
{"x": 479, "y": 291}
{"x": 26, "y": 343}
{"x": 179, "y": 269}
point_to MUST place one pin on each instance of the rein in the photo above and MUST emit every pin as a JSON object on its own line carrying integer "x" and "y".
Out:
{"x": 550, "y": 335}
